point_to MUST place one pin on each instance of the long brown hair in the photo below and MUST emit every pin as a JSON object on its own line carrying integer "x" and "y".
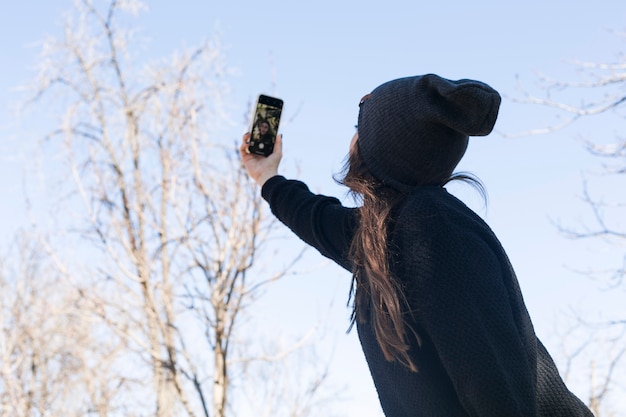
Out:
{"x": 378, "y": 296}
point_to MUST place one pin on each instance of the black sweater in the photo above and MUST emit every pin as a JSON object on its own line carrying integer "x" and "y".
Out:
{"x": 479, "y": 354}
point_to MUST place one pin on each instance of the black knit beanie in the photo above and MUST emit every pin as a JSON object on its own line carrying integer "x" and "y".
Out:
{"x": 414, "y": 131}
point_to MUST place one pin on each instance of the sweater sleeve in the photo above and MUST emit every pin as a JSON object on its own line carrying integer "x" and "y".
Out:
{"x": 321, "y": 221}
{"x": 461, "y": 298}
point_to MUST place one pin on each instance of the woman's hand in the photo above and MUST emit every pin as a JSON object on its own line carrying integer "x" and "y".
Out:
{"x": 261, "y": 168}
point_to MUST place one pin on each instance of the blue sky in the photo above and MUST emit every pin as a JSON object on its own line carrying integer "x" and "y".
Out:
{"x": 321, "y": 58}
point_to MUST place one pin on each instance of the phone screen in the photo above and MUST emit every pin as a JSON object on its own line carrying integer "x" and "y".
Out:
{"x": 265, "y": 123}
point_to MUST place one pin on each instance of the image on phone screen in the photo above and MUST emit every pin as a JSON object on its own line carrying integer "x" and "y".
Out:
{"x": 266, "y": 120}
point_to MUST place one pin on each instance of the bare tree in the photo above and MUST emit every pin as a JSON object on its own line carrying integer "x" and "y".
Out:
{"x": 46, "y": 345}
{"x": 171, "y": 225}
{"x": 26, "y": 314}
{"x": 597, "y": 345}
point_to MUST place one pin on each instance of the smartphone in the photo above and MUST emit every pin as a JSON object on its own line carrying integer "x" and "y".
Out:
{"x": 265, "y": 121}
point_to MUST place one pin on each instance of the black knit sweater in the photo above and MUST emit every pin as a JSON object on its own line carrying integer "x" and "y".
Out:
{"x": 479, "y": 354}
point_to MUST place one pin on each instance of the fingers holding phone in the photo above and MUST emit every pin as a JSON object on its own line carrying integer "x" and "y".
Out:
{"x": 261, "y": 150}
{"x": 259, "y": 167}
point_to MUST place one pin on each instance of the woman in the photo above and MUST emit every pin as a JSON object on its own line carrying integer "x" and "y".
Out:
{"x": 437, "y": 306}
{"x": 263, "y": 132}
